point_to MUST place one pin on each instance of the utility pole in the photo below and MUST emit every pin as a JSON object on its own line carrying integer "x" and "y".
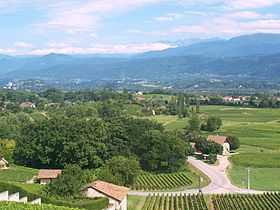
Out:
{"x": 199, "y": 184}
{"x": 248, "y": 178}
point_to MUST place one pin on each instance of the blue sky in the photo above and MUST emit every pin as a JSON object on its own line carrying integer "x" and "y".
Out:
{"x": 126, "y": 26}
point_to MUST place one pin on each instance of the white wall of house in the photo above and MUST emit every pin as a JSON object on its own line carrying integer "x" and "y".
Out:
{"x": 226, "y": 148}
{"x": 114, "y": 204}
{"x": 45, "y": 181}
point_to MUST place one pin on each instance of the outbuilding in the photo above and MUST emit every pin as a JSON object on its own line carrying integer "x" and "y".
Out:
{"x": 45, "y": 176}
{"x": 117, "y": 195}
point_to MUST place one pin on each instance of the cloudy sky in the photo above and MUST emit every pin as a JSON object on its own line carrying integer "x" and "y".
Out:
{"x": 126, "y": 26}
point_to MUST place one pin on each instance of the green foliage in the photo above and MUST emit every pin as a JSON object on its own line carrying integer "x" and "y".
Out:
{"x": 212, "y": 124}
{"x": 120, "y": 170}
{"x": 7, "y": 149}
{"x": 208, "y": 147}
{"x": 212, "y": 158}
{"x": 194, "y": 123}
{"x": 69, "y": 183}
{"x": 234, "y": 142}
{"x": 19, "y": 206}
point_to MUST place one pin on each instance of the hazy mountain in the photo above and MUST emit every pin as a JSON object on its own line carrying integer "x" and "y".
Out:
{"x": 256, "y": 44}
{"x": 255, "y": 56}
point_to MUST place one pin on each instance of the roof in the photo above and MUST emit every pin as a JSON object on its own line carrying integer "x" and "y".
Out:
{"x": 49, "y": 173}
{"x": 3, "y": 161}
{"x": 218, "y": 139}
{"x": 114, "y": 191}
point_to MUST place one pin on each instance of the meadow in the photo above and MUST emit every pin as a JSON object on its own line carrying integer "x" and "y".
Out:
{"x": 259, "y": 134}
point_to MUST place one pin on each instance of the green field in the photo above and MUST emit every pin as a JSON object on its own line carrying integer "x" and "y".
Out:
{"x": 259, "y": 134}
{"x": 17, "y": 174}
{"x": 19, "y": 206}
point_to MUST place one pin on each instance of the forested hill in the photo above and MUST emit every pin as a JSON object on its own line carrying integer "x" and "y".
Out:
{"x": 256, "y": 56}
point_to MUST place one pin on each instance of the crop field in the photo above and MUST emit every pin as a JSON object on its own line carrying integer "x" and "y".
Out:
{"x": 17, "y": 174}
{"x": 163, "y": 181}
{"x": 179, "y": 202}
{"x": 247, "y": 202}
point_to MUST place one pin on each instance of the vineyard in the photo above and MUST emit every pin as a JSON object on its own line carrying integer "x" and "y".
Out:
{"x": 178, "y": 202}
{"x": 162, "y": 181}
{"x": 267, "y": 201}
{"x": 20, "y": 206}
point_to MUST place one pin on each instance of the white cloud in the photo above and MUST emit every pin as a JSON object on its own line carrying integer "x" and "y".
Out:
{"x": 23, "y": 45}
{"x": 76, "y": 16}
{"x": 250, "y": 4}
{"x": 102, "y": 49}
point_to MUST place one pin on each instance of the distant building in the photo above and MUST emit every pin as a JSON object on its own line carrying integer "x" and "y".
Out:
{"x": 4, "y": 164}
{"x": 45, "y": 176}
{"x": 222, "y": 140}
{"x": 27, "y": 105}
{"x": 117, "y": 195}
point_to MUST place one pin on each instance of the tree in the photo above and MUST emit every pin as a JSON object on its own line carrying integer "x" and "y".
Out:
{"x": 120, "y": 170}
{"x": 194, "y": 123}
{"x": 212, "y": 124}
{"x": 7, "y": 147}
{"x": 208, "y": 147}
{"x": 233, "y": 142}
{"x": 69, "y": 183}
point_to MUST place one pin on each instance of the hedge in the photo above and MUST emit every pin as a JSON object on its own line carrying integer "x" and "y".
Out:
{"x": 21, "y": 206}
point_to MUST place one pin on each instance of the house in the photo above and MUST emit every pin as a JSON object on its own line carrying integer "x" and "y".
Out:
{"x": 222, "y": 140}
{"x": 3, "y": 163}
{"x": 45, "y": 176}
{"x": 27, "y": 105}
{"x": 117, "y": 195}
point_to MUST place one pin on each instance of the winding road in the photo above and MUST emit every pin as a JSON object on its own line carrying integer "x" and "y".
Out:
{"x": 219, "y": 182}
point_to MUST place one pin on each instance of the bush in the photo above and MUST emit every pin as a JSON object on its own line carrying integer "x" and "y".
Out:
{"x": 212, "y": 124}
{"x": 208, "y": 147}
{"x": 234, "y": 142}
{"x": 212, "y": 158}
{"x": 21, "y": 206}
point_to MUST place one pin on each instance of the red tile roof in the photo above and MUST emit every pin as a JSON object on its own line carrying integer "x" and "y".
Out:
{"x": 49, "y": 173}
{"x": 114, "y": 191}
{"x": 218, "y": 139}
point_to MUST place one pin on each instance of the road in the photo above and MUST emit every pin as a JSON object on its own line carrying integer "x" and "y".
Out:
{"x": 219, "y": 182}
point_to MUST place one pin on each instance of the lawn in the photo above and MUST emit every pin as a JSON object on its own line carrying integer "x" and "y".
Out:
{"x": 17, "y": 174}
{"x": 259, "y": 134}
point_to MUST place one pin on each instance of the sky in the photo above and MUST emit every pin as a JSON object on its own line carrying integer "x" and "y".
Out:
{"x": 39, "y": 27}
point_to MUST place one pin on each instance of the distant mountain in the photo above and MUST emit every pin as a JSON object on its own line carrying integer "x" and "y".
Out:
{"x": 256, "y": 44}
{"x": 256, "y": 56}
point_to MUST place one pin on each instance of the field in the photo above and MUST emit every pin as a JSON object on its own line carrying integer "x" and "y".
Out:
{"x": 179, "y": 202}
{"x": 17, "y": 174}
{"x": 246, "y": 202}
{"x": 259, "y": 134}
{"x": 163, "y": 181}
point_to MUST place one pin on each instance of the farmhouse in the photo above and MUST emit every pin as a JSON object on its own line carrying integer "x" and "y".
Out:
{"x": 222, "y": 140}
{"x": 45, "y": 176}
{"x": 26, "y": 105}
{"x": 117, "y": 195}
{"x": 3, "y": 163}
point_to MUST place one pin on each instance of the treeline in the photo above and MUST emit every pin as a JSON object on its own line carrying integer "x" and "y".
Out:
{"x": 91, "y": 134}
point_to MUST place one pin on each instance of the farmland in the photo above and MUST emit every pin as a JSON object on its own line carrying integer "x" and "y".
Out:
{"x": 259, "y": 134}
{"x": 19, "y": 206}
{"x": 250, "y": 202}
{"x": 163, "y": 181}
{"x": 178, "y": 202}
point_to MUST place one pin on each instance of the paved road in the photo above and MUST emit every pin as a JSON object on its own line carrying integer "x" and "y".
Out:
{"x": 220, "y": 183}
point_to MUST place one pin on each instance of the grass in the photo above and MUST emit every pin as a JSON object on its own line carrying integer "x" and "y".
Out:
{"x": 136, "y": 202}
{"x": 259, "y": 134}
{"x": 17, "y": 174}
{"x": 20, "y": 206}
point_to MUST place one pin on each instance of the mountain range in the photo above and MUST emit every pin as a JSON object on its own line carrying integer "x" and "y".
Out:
{"x": 256, "y": 56}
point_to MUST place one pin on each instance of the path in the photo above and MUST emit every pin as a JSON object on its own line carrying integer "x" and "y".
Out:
{"x": 219, "y": 184}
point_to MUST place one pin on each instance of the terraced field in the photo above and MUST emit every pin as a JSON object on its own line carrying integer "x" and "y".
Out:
{"x": 179, "y": 202}
{"x": 162, "y": 181}
{"x": 247, "y": 202}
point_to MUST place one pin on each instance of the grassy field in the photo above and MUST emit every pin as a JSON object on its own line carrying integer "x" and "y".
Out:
{"x": 259, "y": 134}
{"x": 17, "y": 174}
